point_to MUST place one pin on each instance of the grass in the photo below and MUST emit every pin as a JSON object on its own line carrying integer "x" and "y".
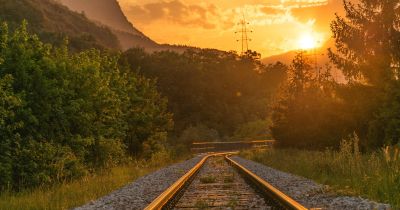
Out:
{"x": 201, "y": 204}
{"x": 229, "y": 178}
{"x": 374, "y": 175}
{"x": 79, "y": 192}
{"x": 233, "y": 202}
{"x": 208, "y": 179}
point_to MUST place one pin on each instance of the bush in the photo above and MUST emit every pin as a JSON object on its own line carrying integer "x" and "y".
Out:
{"x": 254, "y": 130}
{"x": 154, "y": 144}
{"x": 197, "y": 134}
{"x": 108, "y": 153}
{"x": 44, "y": 163}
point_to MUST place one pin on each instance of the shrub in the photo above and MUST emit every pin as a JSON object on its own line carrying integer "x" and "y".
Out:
{"x": 254, "y": 130}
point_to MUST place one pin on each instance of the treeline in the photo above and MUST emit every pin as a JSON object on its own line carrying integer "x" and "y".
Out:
{"x": 63, "y": 115}
{"x": 317, "y": 112}
{"x": 213, "y": 94}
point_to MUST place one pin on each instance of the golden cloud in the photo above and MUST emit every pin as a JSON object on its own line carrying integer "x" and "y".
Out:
{"x": 177, "y": 12}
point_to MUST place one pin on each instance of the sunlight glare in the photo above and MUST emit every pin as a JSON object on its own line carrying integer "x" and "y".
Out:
{"x": 306, "y": 42}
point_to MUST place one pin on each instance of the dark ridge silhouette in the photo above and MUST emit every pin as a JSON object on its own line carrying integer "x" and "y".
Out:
{"x": 53, "y": 22}
{"x": 109, "y": 13}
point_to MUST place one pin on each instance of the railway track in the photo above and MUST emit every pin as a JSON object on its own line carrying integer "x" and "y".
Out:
{"x": 218, "y": 182}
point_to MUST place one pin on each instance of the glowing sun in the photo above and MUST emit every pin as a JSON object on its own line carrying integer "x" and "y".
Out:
{"x": 307, "y": 41}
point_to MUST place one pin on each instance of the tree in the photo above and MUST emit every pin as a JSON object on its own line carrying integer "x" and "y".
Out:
{"x": 306, "y": 113}
{"x": 367, "y": 42}
{"x": 9, "y": 105}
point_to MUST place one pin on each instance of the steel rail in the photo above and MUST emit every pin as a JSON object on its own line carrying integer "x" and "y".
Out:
{"x": 270, "y": 190}
{"x": 168, "y": 194}
{"x": 234, "y": 142}
{"x": 163, "y": 199}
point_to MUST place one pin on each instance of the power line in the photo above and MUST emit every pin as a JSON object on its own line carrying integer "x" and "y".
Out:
{"x": 244, "y": 35}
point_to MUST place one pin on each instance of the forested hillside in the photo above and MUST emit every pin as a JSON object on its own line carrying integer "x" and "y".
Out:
{"x": 54, "y": 22}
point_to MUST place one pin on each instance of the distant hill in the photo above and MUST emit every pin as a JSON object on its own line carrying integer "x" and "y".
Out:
{"x": 53, "y": 22}
{"x": 322, "y": 59}
{"x": 287, "y": 57}
{"x": 109, "y": 13}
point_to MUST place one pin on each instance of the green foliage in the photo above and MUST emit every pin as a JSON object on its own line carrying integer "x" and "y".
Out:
{"x": 44, "y": 163}
{"x": 63, "y": 115}
{"x": 218, "y": 90}
{"x": 9, "y": 105}
{"x": 197, "y": 133}
{"x": 259, "y": 129}
{"x": 208, "y": 179}
{"x": 384, "y": 129}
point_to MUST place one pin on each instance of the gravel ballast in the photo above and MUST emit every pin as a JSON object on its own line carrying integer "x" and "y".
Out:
{"x": 144, "y": 190}
{"x": 308, "y": 192}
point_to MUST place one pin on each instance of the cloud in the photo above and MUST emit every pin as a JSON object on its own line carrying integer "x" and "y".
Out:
{"x": 176, "y": 11}
{"x": 272, "y": 10}
{"x": 211, "y": 15}
{"x": 276, "y": 24}
{"x": 323, "y": 14}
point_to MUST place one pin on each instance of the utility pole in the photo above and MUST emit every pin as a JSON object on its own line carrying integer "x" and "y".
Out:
{"x": 244, "y": 35}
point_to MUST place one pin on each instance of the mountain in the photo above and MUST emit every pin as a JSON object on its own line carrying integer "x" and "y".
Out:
{"x": 321, "y": 54}
{"x": 107, "y": 12}
{"x": 287, "y": 57}
{"x": 53, "y": 22}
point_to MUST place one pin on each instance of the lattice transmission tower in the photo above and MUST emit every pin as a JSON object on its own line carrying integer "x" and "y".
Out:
{"x": 244, "y": 35}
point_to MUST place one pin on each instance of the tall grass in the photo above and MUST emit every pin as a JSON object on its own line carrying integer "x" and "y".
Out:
{"x": 77, "y": 193}
{"x": 374, "y": 175}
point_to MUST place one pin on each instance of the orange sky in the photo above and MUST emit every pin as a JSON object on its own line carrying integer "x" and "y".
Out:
{"x": 278, "y": 25}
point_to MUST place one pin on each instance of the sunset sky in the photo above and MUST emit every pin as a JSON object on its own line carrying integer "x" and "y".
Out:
{"x": 278, "y": 25}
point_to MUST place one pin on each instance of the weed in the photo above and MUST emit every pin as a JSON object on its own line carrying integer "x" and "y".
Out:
{"x": 208, "y": 179}
{"x": 229, "y": 179}
{"x": 227, "y": 186}
{"x": 233, "y": 202}
{"x": 201, "y": 204}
